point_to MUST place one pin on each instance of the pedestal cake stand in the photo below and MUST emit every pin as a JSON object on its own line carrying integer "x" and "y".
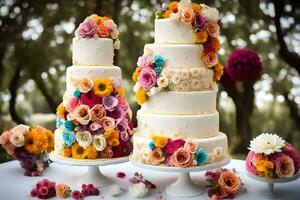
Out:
{"x": 93, "y": 175}
{"x": 183, "y": 186}
{"x": 271, "y": 193}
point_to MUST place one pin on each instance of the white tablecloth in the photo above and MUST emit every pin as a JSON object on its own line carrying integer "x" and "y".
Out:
{"x": 15, "y": 186}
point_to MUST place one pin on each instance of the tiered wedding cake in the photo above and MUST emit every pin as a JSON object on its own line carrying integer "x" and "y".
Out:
{"x": 178, "y": 124}
{"x": 93, "y": 119}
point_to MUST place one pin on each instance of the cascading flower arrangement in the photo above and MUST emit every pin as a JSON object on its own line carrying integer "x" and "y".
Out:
{"x": 244, "y": 65}
{"x": 272, "y": 157}
{"x": 95, "y": 26}
{"x": 30, "y": 146}
{"x": 94, "y": 121}
{"x": 224, "y": 184}
{"x": 203, "y": 21}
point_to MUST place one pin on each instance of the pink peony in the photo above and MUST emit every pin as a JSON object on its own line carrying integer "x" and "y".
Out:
{"x": 210, "y": 59}
{"x": 173, "y": 145}
{"x": 147, "y": 78}
{"x": 90, "y": 99}
{"x": 72, "y": 104}
{"x": 212, "y": 29}
{"x": 103, "y": 32}
{"x": 145, "y": 61}
{"x": 4, "y": 138}
{"x": 97, "y": 113}
{"x": 249, "y": 165}
{"x": 86, "y": 29}
{"x": 186, "y": 15}
{"x": 182, "y": 158}
{"x": 110, "y": 24}
{"x": 284, "y": 165}
{"x": 244, "y": 65}
{"x": 108, "y": 123}
{"x": 292, "y": 152}
{"x": 82, "y": 114}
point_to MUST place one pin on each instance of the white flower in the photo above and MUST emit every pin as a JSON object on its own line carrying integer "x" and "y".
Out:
{"x": 117, "y": 44}
{"x": 114, "y": 34}
{"x": 162, "y": 82}
{"x": 184, "y": 85}
{"x": 130, "y": 113}
{"x": 176, "y": 78}
{"x": 218, "y": 153}
{"x": 138, "y": 190}
{"x": 99, "y": 142}
{"x": 21, "y": 128}
{"x": 136, "y": 87}
{"x": 185, "y": 74}
{"x": 59, "y": 141}
{"x": 17, "y": 139}
{"x": 115, "y": 190}
{"x": 215, "y": 87}
{"x": 211, "y": 14}
{"x": 148, "y": 51}
{"x": 211, "y": 157}
{"x": 153, "y": 91}
{"x": 267, "y": 143}
{"x": 195, "y": 72}
{"x": 195, "y": 84}
{"x": 70, "y": 117}
{"x": 84, "y": 138}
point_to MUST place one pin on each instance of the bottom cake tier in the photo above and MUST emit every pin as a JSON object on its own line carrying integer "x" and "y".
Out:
{"x": 179, "y": 152}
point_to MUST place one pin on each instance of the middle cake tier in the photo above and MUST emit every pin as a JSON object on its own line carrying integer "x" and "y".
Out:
{"x": 176, "y": 126}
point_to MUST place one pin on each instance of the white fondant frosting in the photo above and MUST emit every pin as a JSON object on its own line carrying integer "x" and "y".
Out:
{"x": 179, "y": 55}
{"x": 216, "y": 147}
{"x": 181, "y": 103}
{"x": 173, "y": 31}
{"x": 187, "y": 126}
{"x": 93, "y": 51}
{"x": 92, "y": 72}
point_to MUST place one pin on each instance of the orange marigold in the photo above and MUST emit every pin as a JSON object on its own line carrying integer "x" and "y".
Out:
{"x": 201, "y": 37}
{"x": 50, "y": 142}
{"x": 197, "y": 7}
{"x": 136, "y": 74}
{"x": 219, "y": 70}
{"x": 60, "y": 111}
{"x": 91, "y": 152}
{"x": 35, "y": 142}
{"x": 173, "y": 6}
{"x": 215, "y": 43}
{"x": 78, "y": 152}
{"x": 121, "y": 91}
{"x": 167, "y": 13}
{"x": 67, "y": 152}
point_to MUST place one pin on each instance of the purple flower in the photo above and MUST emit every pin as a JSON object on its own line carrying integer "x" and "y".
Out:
{"x": 118, "y": 114}
{"x": 199, "y": 22}
{"x": 244, "y": 65}
{"x": 123, "y": 126}
{"x": 110, "y": 102}
{"x": 86, "y": 29}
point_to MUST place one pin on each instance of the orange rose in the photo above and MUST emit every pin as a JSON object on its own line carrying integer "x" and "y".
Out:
{"x": 229, "y": 182}
{"x": 82, "y": 114}
{"x": 219, "y": 70}
{"x": 212, "y": 29}
{"x": 182, "y": 158}
{"x": 186, "y": 15}
{"x": 62, "y": 190}
{"x": 215, "y": 44}
{"x": 157, "y": 156}
{"x": 210, "y": 59}
{"x": 97, "y": 113}
{"x": 191, "y": 146}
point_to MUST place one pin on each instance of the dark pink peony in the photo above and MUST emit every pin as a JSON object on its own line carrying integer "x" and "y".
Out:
{"x": 90, "y": 99}
{"x": 173, "y": 145}
{"x": 244, "y": 65}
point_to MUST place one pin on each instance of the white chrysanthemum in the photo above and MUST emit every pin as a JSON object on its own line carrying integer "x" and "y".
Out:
{"x": 84, "y": 138}
{"x": 99, "y": 142}
{"x": 267, "y": 143}
{"x": 138, "y": 190}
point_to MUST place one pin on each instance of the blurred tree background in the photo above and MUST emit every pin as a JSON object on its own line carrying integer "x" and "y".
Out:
{"x": 35, "y": 39}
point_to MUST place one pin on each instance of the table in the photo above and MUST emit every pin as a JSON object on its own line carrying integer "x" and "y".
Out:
{"x": 15, "y": 186}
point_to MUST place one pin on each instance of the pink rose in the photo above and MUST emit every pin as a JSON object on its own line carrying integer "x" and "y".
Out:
{"x": 124, "y": 136}
{"x": 145, "y": 61}
{"x": 9, "y": 148}
{"x": 103, "y": 32}
{"x": 157, "y": 156}
{"x": 72, "y": 104}
{"x": 249, "y": 165}
{"x": 147, "y": 78}
{"x": 97, "y": 113}
{"x": 4, "y": 138}
{"x": 210, "y": 59}
{"x": 186, "y": 15}
{"x": 110, "y": 24}
{"x": 122, "y": 103}
{"x": 86, "y": 29}
{"x": 82, "y": 114}
{"x": 21, "y": 128}
{"x": 284, "y": 165}
{"x": 85, "y": 85}
{"x": 292, "y": 153}
{"x": 212, "y": 29}
{"x": 182, "y": 158}
{"x": 191, "y": 146}
{"x": 108, "y": 123}
{"x": 95, "y": 126}
{"x": 173, "y": 145}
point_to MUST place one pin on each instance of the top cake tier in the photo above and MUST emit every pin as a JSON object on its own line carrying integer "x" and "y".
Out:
{"x": 95, "y": 41}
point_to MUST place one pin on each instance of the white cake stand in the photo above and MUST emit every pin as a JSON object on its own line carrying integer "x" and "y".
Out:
{"x": 183, "y": 186}
{"x": 271, "y": 193}
{"x": 93, "y": 175}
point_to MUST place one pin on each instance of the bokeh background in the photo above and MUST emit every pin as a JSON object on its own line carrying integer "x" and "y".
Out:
{"x": 35, "y": 50}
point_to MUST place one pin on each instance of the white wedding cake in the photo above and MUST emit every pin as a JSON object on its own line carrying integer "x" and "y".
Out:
{"x": 178, "y": 124}
{"x": 94, "y": 119}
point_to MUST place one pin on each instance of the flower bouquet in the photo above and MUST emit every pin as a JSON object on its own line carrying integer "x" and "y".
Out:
{"x": 224, "y": 183}
{"x": 272, "y": 157}
{"x": 30, "y": 146}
